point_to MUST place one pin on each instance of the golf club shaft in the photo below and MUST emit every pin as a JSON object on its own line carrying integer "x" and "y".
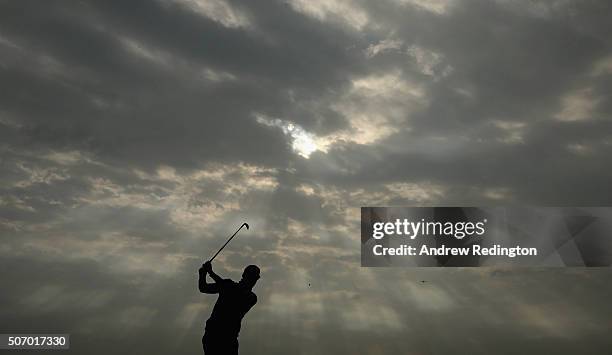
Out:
{"x": 230, "y": 238}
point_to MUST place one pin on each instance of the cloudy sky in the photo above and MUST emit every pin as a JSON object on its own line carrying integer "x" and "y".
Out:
{"x": 136, "y": 135}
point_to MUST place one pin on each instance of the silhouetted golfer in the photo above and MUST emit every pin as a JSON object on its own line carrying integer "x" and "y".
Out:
{"x": 235, "y": 300}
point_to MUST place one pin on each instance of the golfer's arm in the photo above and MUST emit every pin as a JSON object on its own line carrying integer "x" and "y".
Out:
{"x": 215, "y": 277}
{"x": 205, "y": 287}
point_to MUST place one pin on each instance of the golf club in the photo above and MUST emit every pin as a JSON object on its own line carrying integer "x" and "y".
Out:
{"x": 230, "y": 238}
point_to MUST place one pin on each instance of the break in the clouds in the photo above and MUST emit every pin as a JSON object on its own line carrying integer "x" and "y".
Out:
{"x": 136, "y": 135}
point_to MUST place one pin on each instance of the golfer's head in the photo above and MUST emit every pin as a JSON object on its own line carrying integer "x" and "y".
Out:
{"x": 250, "y": 275}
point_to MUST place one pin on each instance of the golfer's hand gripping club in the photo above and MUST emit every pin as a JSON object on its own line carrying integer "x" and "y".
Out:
{"x": 207, "y": 267}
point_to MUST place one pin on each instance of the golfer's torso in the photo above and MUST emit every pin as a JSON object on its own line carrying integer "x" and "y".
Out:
{"x": 230, "y": 308}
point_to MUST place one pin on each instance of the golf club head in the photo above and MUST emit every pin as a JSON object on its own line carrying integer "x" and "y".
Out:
{"x": 246, "y": 225}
